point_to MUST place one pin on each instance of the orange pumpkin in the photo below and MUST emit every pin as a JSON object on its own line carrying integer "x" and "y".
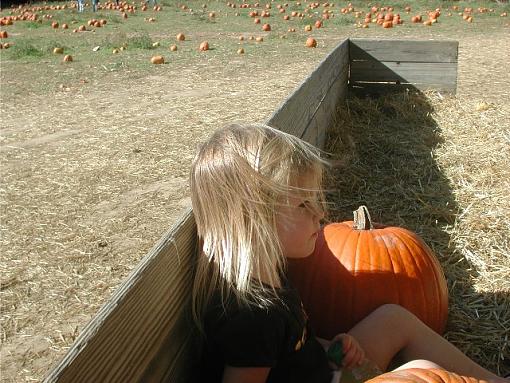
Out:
{"x": 357, "y": 266}
{"x": 311, "y": 42}
{"x": 418, "y": 375}
{"x": 157, "y": 60}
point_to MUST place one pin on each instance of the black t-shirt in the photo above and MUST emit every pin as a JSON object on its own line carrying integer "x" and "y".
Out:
{"x": 278, "y": 337}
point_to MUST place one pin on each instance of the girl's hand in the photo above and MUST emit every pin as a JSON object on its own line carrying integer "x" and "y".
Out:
{"x": 353, "y": 353}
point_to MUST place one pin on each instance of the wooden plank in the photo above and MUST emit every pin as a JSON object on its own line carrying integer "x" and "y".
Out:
{"x": 298, "y": 110}
{"x": 404, "y": 50}
{"x": 362, "y": 89}
{"x": 322, "y": 120}
{"x": 403, "y": 72}
{"x": 145, "y": 315}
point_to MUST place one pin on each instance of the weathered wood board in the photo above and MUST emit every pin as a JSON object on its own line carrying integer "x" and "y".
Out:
{"x": 420, "y": 64}
{"x": 308, "y": 110}
{"x": 146, "y": 316}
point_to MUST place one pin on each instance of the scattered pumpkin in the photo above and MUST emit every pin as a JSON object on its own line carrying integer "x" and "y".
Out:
{"x": 4, "y": 35}
{"x": 173, "y": 48}
{"x": 259, "y": 39}
{"x": 65, "y": 26}
{"x": 115, "y": 51}
{"x": 311, "y": 42}
{"x": 204, "y": 46}
{"x": 266, "y": 27}
{"x": 58, "y": 50}
{"x": 54, "y": 25}
{"x": 180, "y": 37}
{"x": 318, "y": 24}
{"x": 308, "y": 28}
{"x": 413, "y": 375}
{"x": 240, "y": 51}
{"x": 357, "y": 266}
{"x": 157, "y": 60}
{"x": 68, "y": 58}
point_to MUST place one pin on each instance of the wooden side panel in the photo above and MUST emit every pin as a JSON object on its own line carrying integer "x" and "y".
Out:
{"x": 146, "y": 318}
{"x": 144, "y": 333}
{"x": 404, "y": 50}
{"x": 304, "y": 112}
{"x": 421, "y": 75}
{"x": 418, "y": 64}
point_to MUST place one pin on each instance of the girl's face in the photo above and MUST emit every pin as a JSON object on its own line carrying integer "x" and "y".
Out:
{"x": 298, "y": 220}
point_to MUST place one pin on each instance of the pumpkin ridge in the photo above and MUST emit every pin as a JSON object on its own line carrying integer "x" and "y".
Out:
{"x": 354, "y": 256}
{"x": 433, "y": 265}
{"x": 339, "y": 254}
{"x": 406, "y": 241}
{"x": 393, "y": 270}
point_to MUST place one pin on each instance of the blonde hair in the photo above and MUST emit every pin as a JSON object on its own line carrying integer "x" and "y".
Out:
{"x": 237, "y": 179}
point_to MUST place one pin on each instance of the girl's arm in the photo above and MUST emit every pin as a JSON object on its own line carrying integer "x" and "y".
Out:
{"x": 245, "y": 374}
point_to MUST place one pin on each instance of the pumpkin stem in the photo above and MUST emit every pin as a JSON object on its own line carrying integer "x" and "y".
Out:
{"x": 362, "y": 220}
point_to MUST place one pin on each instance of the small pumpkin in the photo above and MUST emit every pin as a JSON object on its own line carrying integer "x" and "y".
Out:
{"x": 68, "y": 58}
{"x": 311, "y": 42}
{"x": 358, "y": 266}
{"x": 157, "y": 60}
{"x": 204, "y": 46}
{"x": 418, "y": 375}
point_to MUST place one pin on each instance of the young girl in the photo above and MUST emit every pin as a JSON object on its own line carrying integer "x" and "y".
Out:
{"x": 257, "y": 201}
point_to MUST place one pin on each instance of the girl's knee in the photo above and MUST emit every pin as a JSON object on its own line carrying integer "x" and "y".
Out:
{"x": 419, "y": 363}
{"x": 399, "y": 319}
{"x": 394, "y": 312}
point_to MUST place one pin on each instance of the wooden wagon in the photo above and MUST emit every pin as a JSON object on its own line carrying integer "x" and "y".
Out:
{"x": 144, "y": 333}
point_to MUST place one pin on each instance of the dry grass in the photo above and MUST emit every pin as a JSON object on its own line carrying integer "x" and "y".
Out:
{"x": 441, "y": 167}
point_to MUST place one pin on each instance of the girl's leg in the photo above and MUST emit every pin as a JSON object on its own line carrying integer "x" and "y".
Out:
{"x": 392, "y": 330}
{"x": 418, "y": 363}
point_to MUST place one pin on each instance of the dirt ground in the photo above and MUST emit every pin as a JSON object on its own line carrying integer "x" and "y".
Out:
{"x": 92, "y": 176}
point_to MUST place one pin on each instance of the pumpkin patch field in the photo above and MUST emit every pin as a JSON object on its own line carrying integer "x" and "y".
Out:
{"x": 101, "y": 112}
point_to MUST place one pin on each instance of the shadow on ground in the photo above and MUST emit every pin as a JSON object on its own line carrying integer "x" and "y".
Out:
{"x": 384, "y": 152}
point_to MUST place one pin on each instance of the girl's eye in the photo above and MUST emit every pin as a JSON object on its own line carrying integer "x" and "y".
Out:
{"x": 305, "y": 204}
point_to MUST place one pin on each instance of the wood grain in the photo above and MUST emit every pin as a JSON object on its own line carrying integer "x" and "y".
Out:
{"x": 297, "y": 114}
